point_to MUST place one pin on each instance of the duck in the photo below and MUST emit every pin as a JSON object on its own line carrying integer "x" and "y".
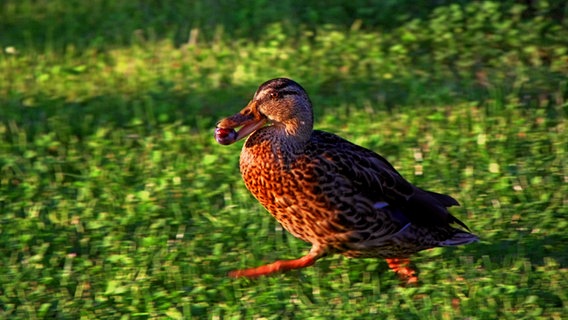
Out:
{"x": 333, "y": 194}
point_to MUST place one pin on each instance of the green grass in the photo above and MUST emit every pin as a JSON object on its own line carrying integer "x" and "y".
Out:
{"x": 116, "y": 202}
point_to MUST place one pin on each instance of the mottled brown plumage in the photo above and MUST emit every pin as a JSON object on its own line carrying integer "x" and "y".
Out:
{"x": 340, "y": 197}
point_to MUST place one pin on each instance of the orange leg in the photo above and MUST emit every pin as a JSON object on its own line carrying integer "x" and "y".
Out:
{"x": 402, "y": 267}
{"x": 278, "y": 266}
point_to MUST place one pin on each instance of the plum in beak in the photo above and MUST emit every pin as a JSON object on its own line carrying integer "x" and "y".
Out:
{"x": 249, "y": 119}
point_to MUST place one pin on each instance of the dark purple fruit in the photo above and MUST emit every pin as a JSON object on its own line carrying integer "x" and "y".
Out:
{"x": 225, "y": 135}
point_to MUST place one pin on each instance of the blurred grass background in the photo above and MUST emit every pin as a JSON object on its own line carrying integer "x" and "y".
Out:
{"x": 116, "y": 202}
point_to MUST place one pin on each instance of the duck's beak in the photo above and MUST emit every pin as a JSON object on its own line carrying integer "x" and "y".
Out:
{"x": 249, "y": 119}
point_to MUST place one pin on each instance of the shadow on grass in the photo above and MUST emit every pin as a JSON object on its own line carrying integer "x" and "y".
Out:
{"x": 160, "y": 104}
{"x": 97, "y": 24}
{"x": 536, "y": 249}
{"x": 39, "y": 113}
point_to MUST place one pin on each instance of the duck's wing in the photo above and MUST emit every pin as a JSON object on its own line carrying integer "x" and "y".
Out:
{"x": 378, "y": 181}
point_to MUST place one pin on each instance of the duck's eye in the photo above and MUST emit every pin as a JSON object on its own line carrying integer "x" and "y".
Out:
{"x": 274, "y": 95}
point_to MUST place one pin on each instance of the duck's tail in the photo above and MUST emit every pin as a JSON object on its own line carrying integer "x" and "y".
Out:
{"x": 459, "y": 238}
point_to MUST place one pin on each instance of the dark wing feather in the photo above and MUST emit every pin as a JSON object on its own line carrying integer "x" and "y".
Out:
{"x": 375, "y": 177}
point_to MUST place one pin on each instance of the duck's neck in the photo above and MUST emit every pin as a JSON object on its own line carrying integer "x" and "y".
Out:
{"x": 288, "y": 140}
{"x": 276, "y": 142}
{"x": 297, "y": 130}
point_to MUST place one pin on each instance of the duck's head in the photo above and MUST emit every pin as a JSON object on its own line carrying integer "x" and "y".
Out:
{"x": 281, "y": 103}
